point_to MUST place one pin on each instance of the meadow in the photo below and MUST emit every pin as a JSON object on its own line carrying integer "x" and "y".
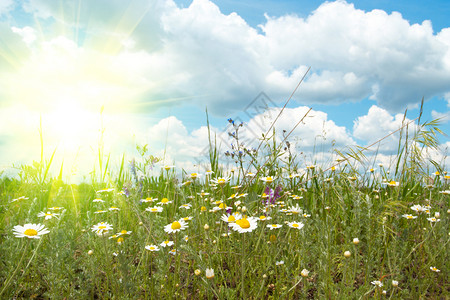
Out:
{"x": 274, "y": 226}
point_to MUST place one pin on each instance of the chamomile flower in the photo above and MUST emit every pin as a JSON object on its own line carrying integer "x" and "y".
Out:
{"x": 186, "y": 206}
{"x": 155, "y": 209}
{"x": 48, "y": 215}
{"x": 434, "y": 269}
{"x": 306, "y": 215}
{"x": 377, "y": 283}
{"x": 152, "y": 248}
{"x": 242, "y": 195}
{"x": 274, "y": 226}
{"x": 263, "y": 218}
{"x": 164, "y": 201}
{"x": 124, "y": 232}
{"x": 268, "y": 179}
{"x": 391, "y": 183}
{"x": 166, "y": 244}
{"x": 19, "y": 199}
{"x": 296, "y": 225}
{"x": 31, "y": 231}
{"x": 409, "y": 217}
{"x": 446, "y": 192}
{"x": 175, "y": 226}
{"x": 418, "y": 208}
{"x": 209, "y": 273}
{"x": 167, "y": 167}
{"x": 187, "y": 218}
{"x": 100, "y": 211}
{"x": 246, "y": 224}
{"x": 221, "y": 180}
{"x": 228, "y": 219}
{"x": 295, "y": 209}
{"x": 113, "y": 208}
{"x": 56, "y": 208}
{"x": 148, "y": 200}
{"x": 279, "y": 263}
{"x": 194, "y": 175}
{"x": 102, "y": 228}
{"x": 173, "y": 251}
{"x": 433, "y": 220}
{"x": 97, "y": 200}
{"x": 105, "y": 191}
{"x": 250, "y": 174}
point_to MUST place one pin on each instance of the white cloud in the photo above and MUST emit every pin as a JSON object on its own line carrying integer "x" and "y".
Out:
{"x": 444, "y": 117}
{"x": 210, "y": 58}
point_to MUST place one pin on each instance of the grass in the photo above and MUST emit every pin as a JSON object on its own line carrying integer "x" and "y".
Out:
{"x": 336, "y": 202}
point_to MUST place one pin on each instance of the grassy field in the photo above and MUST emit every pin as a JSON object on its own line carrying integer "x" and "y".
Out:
{"x": 347, "y": 229}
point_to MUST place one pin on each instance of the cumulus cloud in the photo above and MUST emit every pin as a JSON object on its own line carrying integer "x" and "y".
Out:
{"x": 354, "y": 54}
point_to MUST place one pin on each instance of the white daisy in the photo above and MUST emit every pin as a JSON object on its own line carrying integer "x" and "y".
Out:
{"x": 31, "y": 231}
{"x": 48, "y": 215}
{"x": 101, "y": 228}
{"x": 296, "y": 225}
{"x": 166, "y": 244}
{"x": 154, "y": 209}
{"x": 152, "y": 248}
{"x": 175, "y": 226}
{"x": 244, "y": 225}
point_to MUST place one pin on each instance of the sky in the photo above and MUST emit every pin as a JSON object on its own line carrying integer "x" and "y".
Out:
{"x": 116, "y": 74}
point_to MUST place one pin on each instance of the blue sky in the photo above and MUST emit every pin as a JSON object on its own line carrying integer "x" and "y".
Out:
{"x": 155, "y": 66}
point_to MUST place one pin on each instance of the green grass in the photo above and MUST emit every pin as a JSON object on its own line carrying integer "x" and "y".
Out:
{"x": 73, "y": 262}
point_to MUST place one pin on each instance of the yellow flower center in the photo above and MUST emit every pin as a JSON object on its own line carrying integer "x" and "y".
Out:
{"x": 101, "y": 227}
{"x": 167, "y": 168}
{"x": 262, "y": 217}
{"x": 409, "y": 217}
{"x": 295, "y": 225}
{"x": 269, "y": 179}
{"x": 164, "y": 200}
{"x": 264, "y": 195}
{"x": 203, "y": 208}
{"x": 30, "y": 232}
{"x": 124, "y": 232}
{"x": 392, "y": 183}
{"x": 193, "y": 175}
{"x": 166, "y": 242}
{"x": 221, "y": 181}
{"x": 175, "y": 225}
{"x": 154, "y": 209}
{"x": 233, "y": 196}
{"x": 120, "y": 240}
{"x": 231, "y": 218}
{"x": 244, "y": 223}
{"x": 222, "y": 205}
{"x": 48, "y": 214}
{"x": 152, "y": 248}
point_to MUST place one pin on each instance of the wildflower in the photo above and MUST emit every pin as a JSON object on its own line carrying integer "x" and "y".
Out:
{"x": 228, "y": 219}
{"x": 347, "y": 254}
{"x": 31, "y": 231}
{"x": 186, "y": 183}
{"x": 148, "y": 199}
{"x": 446, "y": 192}
{"x": 99, "y": 211}
{"x": 175, "y": 226}
{"x": 194, "y": 175}
{"x": 242, "y": 195}
{"x": 356, "y": 241}
{"x": 124, "y": 232}
{"x": 250, "y": 174}
{"x": 167, "y": 167}
{"x": 105, "y": 190}
{"x": 187, "y": 218}
{"x": 377, "y": 283}
{"x": 296, "y": 197}
{"x": 304, "y": 273}
{"x": 101, "y": 228}
{"x": 56, "y": 208}
{"x": 437, "y": 215}
{"x": 394, "y": 283}
{"x": 209, "y": 273}
{"x": 274, "y": 226}
{"x": 296, "y": 225}
{"x": 433, "y": 220}
{"x": 244, "y": 225}
{"x": 48, "y": 215}
{"x": 186, "y": 238}
{"x": 292, "y": 176}
{"x": 264, "y": 218}
{"x": 418, "y": 208}
{"x": 409, "y": 217}
{"x": 197, "y": 272}
{"x": 173, "y": 251}
{"x": 392, "y": 183}
{"x": 96, "y": 200}
{"x": 164, "y": 201}
{"x": 310, "y": 167}
{"x": 19, "y": 199}
{"x": 306, "y": 216}
{"x": 154, "y": 209}
{"x": 152, "y": 248}
{"x": 186, "y": 206}
{"x": 203, "y": 208}
{"x": 352, "y": 178}
{"x": 434, "y": 269}
{"x": 221, "y": 180}
{"x": 120, "y": 240}
{"x": 166, "y": 244}
{"x": 268, "y": 179}
{"x": 279, "y": 263}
